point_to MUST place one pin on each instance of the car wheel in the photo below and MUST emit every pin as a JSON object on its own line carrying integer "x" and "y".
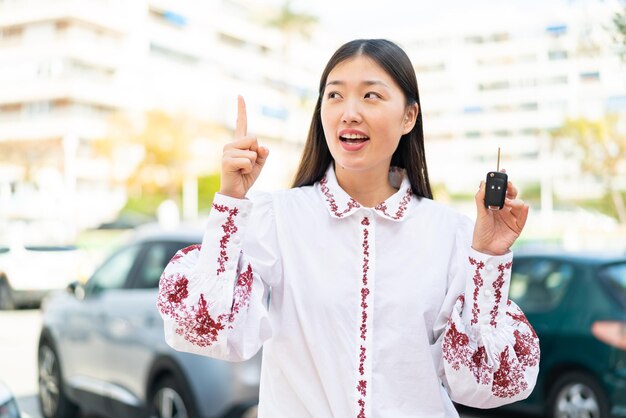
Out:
{"x": 170, "y": 399}
{"x": 53, "y": 402}
{"x": 6, "y": 298}
{"x": 576, "y": 395}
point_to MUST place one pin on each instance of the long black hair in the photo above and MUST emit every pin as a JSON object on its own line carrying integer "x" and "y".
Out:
{"x": 409, "y": 154}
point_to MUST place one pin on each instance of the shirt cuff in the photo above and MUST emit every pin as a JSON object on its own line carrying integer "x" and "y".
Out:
{"x": 224, "y": 232}
{"x": 486, "y": 289}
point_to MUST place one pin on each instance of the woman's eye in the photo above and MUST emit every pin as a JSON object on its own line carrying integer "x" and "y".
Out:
{"x": 333, "y": 95}
{"x": 372, "y": 95}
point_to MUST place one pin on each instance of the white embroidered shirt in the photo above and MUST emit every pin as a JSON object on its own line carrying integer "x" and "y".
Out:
{"x": 374, "y": 312}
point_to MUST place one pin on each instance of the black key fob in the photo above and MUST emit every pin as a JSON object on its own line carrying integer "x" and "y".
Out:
{"x": 495, "y": 191}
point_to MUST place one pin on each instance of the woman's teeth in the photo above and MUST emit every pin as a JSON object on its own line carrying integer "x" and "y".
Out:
{"x": 353, "y": 138}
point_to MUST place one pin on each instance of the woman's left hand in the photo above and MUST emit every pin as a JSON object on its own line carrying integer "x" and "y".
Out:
{"x": 495, "y": 231}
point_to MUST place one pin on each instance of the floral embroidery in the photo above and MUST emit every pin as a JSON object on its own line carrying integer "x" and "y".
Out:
{"x": 362, "y": 387}
{"x": 229, "y": 229}
{"x": 382, "y": 207}
{"x": 241, "y": 295}
{"x": 362, "y": 358}
{"x": 185, "y": 251}
{"x": 520, "y": 317}
{"x": 455, "y": 347}
{"x": 526, "y": 349}
{"x": 362, "y": 411}
{"x": 497, "y": 286}
{"x": 352, "y": 204}
{"x": 478, "y": 282}
{"x": 508, "y": 380}
{"x": 173, "y": 289}
{"x": 362, "y": 384}
{"x": 478, "y": 366}
{"x": 198, "y": 327}
{"x": 195, "y": 322}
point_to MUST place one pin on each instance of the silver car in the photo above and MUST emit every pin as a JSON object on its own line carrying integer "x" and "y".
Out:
{"x": 102, "y": 348}
{"x": 8, "y": 404}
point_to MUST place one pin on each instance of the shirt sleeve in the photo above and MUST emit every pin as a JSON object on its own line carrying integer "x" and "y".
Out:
{"x": 213, "y": 297}
{"x": 489, "y": 352}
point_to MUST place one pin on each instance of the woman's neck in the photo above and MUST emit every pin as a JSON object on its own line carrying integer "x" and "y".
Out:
{"x": 369, "y": 188}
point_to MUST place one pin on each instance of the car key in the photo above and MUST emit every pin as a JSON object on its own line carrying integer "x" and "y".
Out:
{"x": 495, "y": 188}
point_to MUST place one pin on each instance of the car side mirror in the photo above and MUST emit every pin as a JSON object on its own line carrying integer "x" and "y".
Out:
{"x": 76, "y": 288}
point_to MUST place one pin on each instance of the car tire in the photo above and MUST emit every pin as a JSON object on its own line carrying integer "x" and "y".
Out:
{"x": 169, "y": 398}
{"x": 53, "y": 401}
{"x": 6, "y": 298}
{"x": 577, "y": 394}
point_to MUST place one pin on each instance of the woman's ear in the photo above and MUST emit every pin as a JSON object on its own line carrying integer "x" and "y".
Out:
{"x": 410, "y": 117}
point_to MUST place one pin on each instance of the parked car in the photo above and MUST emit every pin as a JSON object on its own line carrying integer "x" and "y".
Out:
{"x": 28, "y": 273}
{"x": 577, "y": 306}
{"x": 8, "y": 405}
{"x": 102, "y": 347}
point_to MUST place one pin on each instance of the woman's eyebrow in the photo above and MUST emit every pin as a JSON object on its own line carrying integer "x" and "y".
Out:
{"x": 365, "y": 82}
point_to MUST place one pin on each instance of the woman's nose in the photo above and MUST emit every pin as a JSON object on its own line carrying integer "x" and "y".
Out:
{"x": 351, "y": 112}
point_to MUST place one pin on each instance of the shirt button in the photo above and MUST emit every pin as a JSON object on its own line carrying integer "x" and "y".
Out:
{"x": 244, "y": 214}
{"x": 488, "y": 267}
{"x": 488, "y": 293}
{"x": 236, "y": 241}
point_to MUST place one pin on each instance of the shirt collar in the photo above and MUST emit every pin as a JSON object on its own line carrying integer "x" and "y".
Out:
{"x": 341, "y": 205}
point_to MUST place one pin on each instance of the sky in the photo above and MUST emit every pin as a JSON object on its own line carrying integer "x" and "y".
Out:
{"x": 386, "y": 18}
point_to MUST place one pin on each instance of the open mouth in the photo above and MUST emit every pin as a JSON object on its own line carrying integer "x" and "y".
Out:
{"x": 353, "y": 138}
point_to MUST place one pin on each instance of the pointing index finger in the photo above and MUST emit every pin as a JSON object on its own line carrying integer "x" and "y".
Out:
{"x": 241, "y": 128}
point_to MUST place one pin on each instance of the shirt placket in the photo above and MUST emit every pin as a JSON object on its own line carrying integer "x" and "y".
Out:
{"x": 366, "y": 311}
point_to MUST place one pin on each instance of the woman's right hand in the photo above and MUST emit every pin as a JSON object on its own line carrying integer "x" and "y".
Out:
{"x": 243, "y": 158}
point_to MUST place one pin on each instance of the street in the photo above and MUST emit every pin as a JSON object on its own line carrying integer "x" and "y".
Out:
{"x": 19, "y": 331}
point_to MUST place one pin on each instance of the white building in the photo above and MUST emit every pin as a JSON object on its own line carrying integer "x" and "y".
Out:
{"x": 502, "y": 79}
{"x": 67, "y": 65}
{"x": 505, "y": 78}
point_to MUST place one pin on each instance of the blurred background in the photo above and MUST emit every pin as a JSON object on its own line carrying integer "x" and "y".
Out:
{"x": 113, "y": 113}
{"x": 110, "y": 110}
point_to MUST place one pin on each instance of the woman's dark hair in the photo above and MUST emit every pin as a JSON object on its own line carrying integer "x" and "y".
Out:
{"x": 410, "y": 152}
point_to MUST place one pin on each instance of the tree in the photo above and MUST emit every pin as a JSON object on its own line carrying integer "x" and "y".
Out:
{"x": 619, "y": 33}
{"x": 292, "y": 23}
{"x": 603, "y": 148}
{"x": 163, "y": 146}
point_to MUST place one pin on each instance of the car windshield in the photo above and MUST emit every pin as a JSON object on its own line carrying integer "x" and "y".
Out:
{"x": 616, "y": 278}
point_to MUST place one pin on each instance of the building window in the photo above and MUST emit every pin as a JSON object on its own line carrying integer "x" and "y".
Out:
{"x": 556, "y": 30}
{"x": 473, "y": 134}
{"x": 169, "y": 17}
{"x": 495, "y": 85}
{"x": 529, "y": 106}
{"x": 469, "y": 110}
{"x": 590, "y": 76}
{"x": 557, "y": 55}
{"x": 502, "y": 132}
{"x": 182, "y": 57}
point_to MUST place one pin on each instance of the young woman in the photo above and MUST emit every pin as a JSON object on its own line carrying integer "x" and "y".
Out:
{"x": 383, "y": 302}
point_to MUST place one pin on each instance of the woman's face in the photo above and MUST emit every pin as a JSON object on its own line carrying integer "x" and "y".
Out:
{"x": 364, "y": 114}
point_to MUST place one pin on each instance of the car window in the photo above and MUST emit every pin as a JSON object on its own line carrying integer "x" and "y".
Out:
{"x": 113, "y": 273}
{"x": 539, "y": 284}
{"x": 615, "y": 276}
{"x": 153, "y": 263}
